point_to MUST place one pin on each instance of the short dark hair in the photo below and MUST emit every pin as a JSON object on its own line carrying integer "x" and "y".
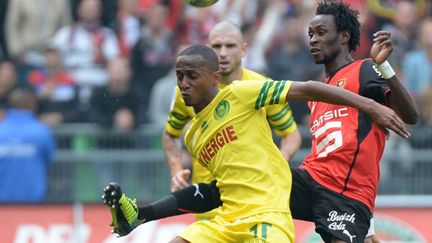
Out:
{"x": 23, "y": 98}
{"x": 346, "y": 19}
{"x": 210, "y": 57}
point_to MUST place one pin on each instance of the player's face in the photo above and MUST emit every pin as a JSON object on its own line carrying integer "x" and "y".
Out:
{"x": 324, "y": 39}
{"x": 194, "y": 79}
{"x": 230, "y": 50}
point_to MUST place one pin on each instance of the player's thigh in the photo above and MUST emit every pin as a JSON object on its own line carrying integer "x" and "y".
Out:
{"x": 268, "y": 227}
{"x": 301, "y": 199}
{"x": 266, "y": 232}
{"x": 340, "y": 218}
{"x": 205, "y": 231}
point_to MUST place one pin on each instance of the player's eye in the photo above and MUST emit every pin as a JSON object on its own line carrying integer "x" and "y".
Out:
{"x": 321, "y": 32}
{"x": 193, "y": 76}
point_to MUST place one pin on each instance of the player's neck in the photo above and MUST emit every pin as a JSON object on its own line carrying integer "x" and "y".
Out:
{"x": 339, "y": 62}
{"x": 211, "y": 94}
{"x": 235, "y": 75}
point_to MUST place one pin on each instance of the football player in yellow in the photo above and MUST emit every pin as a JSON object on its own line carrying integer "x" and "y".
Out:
{"x": 227, "y": 41}
{"x": 230, "y": 137}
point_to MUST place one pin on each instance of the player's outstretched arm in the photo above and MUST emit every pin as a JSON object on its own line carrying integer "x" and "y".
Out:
{"x": 317, "y": 91}
{"x": 172, "y": 150}
{"x": 400, "y": 100}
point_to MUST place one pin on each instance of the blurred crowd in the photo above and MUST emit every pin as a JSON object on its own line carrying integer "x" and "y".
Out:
{"x": 111, "y": 62}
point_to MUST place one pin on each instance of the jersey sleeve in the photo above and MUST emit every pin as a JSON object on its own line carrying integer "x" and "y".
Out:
{"x": 178, "y": 116}
{"x": 281, "y": 119}
{"x": 372, "y": 85}
{"x": 258, "y": 94}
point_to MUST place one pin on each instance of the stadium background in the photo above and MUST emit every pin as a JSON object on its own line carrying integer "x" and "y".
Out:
{"x": 91, "y": 153}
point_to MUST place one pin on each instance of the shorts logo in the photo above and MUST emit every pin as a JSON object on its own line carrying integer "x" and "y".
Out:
{"x": 349, "y": 235}
{"x": 222, "y": 109}
{"x": 339, "y": 220}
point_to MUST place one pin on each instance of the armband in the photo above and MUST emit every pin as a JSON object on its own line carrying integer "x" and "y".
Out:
{"x": 385, "y": 69}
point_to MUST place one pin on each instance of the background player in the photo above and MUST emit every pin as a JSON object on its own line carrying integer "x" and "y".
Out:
{"x": 237, "y": 148}
{"x": 227, "y": 41}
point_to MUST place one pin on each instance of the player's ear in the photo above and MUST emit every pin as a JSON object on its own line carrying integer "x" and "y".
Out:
{"x": 345, "y": 36}
{"x": 244, "y": 48}
{"x": 215, "y": 77}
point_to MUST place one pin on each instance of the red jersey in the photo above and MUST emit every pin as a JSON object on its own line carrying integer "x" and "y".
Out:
{"x": 346, "y": 145}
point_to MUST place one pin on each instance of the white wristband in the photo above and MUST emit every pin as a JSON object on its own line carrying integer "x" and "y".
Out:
{"x": 386, "y": 70}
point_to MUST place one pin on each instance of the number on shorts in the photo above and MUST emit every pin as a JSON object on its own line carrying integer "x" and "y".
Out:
{"x": 263, "y": 227}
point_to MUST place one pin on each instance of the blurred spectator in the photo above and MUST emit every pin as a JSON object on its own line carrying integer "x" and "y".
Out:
{"x": 86, "y": 46}
{"x": 175, "y": 11}
{"x": 388, "y": 8}
{"x": 8, "y": 77}
{"x": 289, "y": 58}
{"x": 259, "y": 36}
{"x": 368, "y": 27}
{"x": 417, "y": 65}
{"x": 117, "y": 104}
{"x": 154, "y": 54}
{"x": 160, "y": 104}
{"x": 56, "y": 90}
{"x": 3, "y": 49}
{"x": 30, "y": 25}
{"x": 197, "y": 25}
{"x": 425, "y": 105}
{"x": 127, "y": 25}
{"x": 403, "y": 32}
{"x": 26, "y": 150}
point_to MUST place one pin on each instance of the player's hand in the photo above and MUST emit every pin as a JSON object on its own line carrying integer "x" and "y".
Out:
{"x": 179, "y": 180}
{"x": 372, "y": 239}
{"x": 382, "y": 47}
{"x": 387, "y": 118}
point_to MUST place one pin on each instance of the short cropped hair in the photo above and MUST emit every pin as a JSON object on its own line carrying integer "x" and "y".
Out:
{"x": 211, "y": 61}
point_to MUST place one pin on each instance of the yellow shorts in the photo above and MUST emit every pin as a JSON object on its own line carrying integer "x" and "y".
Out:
{"x": 207, "y": 215}
{"x": 260, "y": 228}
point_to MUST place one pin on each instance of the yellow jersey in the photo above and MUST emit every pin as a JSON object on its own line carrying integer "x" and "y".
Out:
{"x": 231, "y": 138}
{"x": 279, "y": 118}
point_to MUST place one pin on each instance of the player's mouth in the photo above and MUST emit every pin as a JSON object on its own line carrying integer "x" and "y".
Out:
{"x": 315, "y": 51}
{"x": 185, "y": 94}
{"x": 224, "y": 64}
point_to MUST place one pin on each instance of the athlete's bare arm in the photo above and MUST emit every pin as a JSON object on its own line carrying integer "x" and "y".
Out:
{"x": 289, "y": 144}
{"x": 317, "y": 91}
{"x": 400, "y": 100}
{"x": 172, "y": 150}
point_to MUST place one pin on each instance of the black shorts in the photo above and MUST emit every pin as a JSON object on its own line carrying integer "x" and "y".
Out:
{"x": 334, "y": 215}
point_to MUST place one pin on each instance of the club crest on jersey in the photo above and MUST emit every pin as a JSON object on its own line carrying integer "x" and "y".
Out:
{"x": 222, "y": 109}
{"x": 341, "y": 83}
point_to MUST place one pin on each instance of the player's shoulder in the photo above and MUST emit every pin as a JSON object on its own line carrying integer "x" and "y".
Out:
{"x": 248, "y": 74}
{"x": 367, "y": 62}
{"x": 368, "y": 70}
